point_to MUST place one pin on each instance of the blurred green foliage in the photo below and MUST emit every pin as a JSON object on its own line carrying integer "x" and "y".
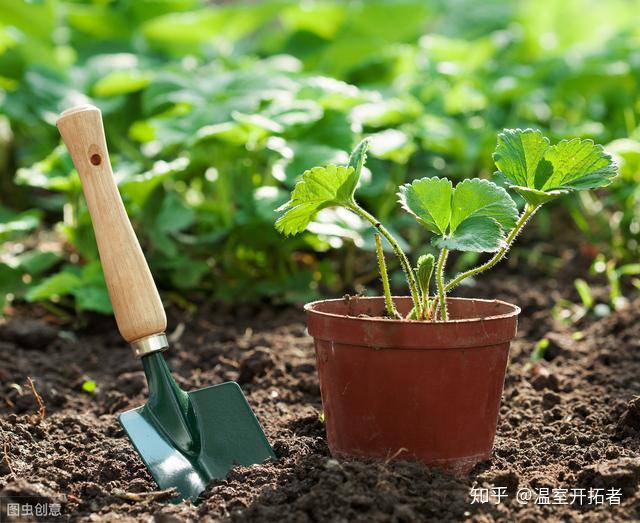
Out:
{"x": 213, "y": 111}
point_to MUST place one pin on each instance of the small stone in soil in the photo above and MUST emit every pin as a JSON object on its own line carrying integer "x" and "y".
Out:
{"x": 550, "y": 400}
{"x": 542, "y": 382}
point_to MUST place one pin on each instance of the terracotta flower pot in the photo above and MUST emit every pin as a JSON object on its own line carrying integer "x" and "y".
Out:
{"x": 428, "y": 391}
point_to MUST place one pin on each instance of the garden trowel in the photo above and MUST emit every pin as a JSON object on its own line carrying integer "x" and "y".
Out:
{"x": 185, "y": 438}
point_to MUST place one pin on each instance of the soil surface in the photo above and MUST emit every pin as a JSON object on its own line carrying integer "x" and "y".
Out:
{"x": 570, "y": 421}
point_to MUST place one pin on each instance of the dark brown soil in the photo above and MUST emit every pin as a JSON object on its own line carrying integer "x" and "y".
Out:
{"x": 571, "y": 421}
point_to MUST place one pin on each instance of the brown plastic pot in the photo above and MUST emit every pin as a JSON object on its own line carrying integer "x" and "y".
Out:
{"x": 427, "y": 391}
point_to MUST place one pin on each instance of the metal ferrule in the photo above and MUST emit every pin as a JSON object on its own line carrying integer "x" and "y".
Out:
{"x": 150, "y": 344}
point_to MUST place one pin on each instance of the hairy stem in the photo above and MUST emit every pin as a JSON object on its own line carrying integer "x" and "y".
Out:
{"x": 442, "y": 292}
{"x": 426, "y": 305}
{"x": 382, "y": 266}
{"x": 426, "y": 311}
{"x": 404, "y": 262}
{"x": 527, "y": 213}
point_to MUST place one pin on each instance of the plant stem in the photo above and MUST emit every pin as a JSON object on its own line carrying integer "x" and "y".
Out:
{"x": 426, "y": 311}
{"x": 442, "y": 292}
{"x": 404, "y": 262}
{"x": 382, "y": 266}
{"x": 527, "y": 213}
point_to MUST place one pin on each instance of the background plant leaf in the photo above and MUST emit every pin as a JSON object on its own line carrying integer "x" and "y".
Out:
{"x": 59, "y": 284}
{"x": 13, "y": 224}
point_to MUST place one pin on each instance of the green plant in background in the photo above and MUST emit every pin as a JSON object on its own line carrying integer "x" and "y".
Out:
{"x": 212, "y": 111}
{"x": 476, "y": 215}
{"x": 570, "y": 313}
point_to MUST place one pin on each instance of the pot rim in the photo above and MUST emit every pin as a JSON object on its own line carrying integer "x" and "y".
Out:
{"x": 515, "y": 311}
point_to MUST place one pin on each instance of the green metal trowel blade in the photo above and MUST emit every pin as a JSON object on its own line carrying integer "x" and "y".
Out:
{"x": 226, "y": 430}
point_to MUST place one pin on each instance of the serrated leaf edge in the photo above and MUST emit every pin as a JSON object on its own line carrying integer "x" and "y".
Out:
{"x": 405, "y": 187}
{"x": 486, "y": 182}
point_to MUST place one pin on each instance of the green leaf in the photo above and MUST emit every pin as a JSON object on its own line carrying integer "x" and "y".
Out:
{"x": 228, "y": 132}
{"x": 93, "y": 298}
{"x": 257, "y": 123}
{"x": 10, "y": 283}
{"x": 540, "y": 172}
{"x": 392, "y": 144}
{"x": 36, "y": 262}
{"x": 294, "y": 113}
{"x": 386, "y": 113}
{"x": 358, "y": 156}
{"x": 180, "y": 32}
{"x": 473, "y": 216}
{"x": 579, "y": 164}
{"x": 319, "y": 188}
{"x": 584, "y": 291}
{"x": 89, "y": 386}
{"x": 12, "y": 224}
{"x": 630, "y": 269}
{"x": 137, "y": 187}
{"x": 536, "y": 197}
{"x": 174, "y": 214}
{"x": 482, "y": 198}
{"x": 429, "y": 200}
{"x": 539, "y": 350}
{"x": 51, "y": 173}
{"x": 121, "y": 82}
{"x": 321, "y": 19}
{"x": 520, "y": 156}
{"x": 475, "y": 234}
{"x": 305, "y": 156}
{"x": 56, "y": 285}
{"x": 424, "y": 270}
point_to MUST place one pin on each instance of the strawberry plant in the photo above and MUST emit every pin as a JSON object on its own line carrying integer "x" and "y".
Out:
{"x": 476, "y": 215}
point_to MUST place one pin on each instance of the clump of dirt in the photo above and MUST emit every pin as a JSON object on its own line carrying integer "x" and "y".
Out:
{"x": 255, "y": 364}
{"x": 629, "y": 422}
{"x": 571, "y": 420}
{"x": 624, "y": 473}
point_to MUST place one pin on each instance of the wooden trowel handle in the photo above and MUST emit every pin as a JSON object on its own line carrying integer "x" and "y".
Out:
{"x": 136, "y": 303}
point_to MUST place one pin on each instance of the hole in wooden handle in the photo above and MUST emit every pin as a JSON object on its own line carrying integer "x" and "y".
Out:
{"x": 95, "y": 159}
